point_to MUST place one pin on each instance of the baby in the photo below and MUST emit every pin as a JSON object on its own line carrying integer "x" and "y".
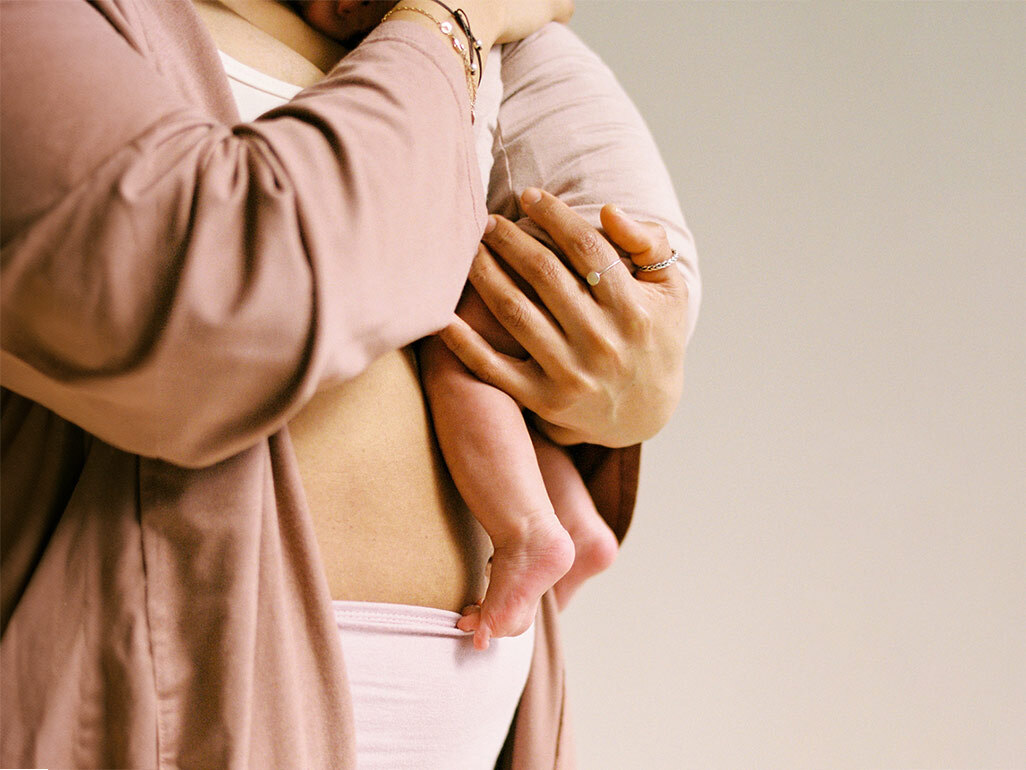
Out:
{"x": 522, "y": 488}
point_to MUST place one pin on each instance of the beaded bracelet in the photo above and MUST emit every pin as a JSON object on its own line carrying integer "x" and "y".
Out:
{"x": 461, "y": 18}
{"x": 447, "y": 29}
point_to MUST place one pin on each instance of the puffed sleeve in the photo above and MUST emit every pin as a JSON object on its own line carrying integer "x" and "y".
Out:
{"x": 178, "y": 286}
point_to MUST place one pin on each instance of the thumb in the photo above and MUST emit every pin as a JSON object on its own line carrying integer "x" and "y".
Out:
{"x": 644, "y": 242}
{"x": 630, "y": 235}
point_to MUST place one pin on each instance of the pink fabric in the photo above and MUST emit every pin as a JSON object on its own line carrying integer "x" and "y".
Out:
{"x": 175, "y": 286}
{"x": 423, "y": 697}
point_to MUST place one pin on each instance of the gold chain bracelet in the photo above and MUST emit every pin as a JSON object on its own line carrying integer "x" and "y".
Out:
{"x": 448, "y": 29}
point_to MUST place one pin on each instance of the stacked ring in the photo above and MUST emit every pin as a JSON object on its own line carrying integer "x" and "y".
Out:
{"x": 674, "y": 256}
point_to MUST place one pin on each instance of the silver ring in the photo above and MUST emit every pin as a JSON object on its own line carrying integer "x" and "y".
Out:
{"x": 674, "y": 256}
{"x": 596, "y": 275}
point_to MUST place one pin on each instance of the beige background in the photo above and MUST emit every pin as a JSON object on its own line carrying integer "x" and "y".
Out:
{"x": 828, "y": 565}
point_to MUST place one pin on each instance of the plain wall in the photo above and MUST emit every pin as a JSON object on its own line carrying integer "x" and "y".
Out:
{"x": 827, "y": 566}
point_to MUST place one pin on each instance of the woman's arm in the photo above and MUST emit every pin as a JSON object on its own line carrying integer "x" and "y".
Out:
{"x": 567, "y": 126}
{"x": 177, "y": 285}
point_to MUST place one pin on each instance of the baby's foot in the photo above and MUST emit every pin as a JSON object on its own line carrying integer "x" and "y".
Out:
{"x": 595, "y": 551}
{"x": 522, "y": 569}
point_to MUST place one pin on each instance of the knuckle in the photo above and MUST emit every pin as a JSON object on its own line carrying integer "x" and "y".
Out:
{"x": 659, "y": 236}
{"x": 654, "y": 235}
{"x": 545, "y": 270}
{"x": 640, "y": 322}
{"x": 613, "y": 358}
{"x": 603, "y": 351}
{"x": 579, "y": 387}
{"x": 589, "y": 245}
{"x": 513, "y": 311}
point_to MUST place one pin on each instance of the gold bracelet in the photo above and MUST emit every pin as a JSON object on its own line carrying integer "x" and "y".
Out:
{"x": 448, "y": 29}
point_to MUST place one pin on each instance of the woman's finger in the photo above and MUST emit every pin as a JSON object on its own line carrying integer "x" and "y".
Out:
{"x": 527, "y": 323}
{"x": 587, "y": 250}
{"x": 560, "y": 291}
{"x": 646, "y": 243}
{"x": 516, "y": 377}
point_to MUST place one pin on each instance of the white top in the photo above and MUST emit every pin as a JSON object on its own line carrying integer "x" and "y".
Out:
{"x": 255, "y": 93}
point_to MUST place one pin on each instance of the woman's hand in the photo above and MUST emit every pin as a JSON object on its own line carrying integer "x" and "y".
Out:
{"x": 606, "y": 361}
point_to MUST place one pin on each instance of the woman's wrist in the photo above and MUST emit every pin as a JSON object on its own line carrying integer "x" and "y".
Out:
{"x": 429, "y": 14}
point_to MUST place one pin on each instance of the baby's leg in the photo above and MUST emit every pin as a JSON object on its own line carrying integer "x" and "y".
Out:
{"x": 489, "y": 453}
{"x": 595, "y": 545}
{"x": 594, "y": 542}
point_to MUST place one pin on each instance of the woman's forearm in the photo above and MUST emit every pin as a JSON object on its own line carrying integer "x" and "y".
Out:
{"x": 177, "y": 285}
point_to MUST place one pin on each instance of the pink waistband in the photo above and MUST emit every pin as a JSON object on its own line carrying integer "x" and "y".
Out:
{"x": 397, "y": 619}
{"x": 423, "y": 697}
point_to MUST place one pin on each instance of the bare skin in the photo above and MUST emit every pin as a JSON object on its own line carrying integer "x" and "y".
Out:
{"x": 488, "y": 452}
{"x": 595, "y": 545}
{"x": 406, "y": 536}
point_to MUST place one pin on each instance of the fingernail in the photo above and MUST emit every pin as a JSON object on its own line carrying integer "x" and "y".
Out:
{"x": 490, "y": 225}
{"x": 530, "y": 195}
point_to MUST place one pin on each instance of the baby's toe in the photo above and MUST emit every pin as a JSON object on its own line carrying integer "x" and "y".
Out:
{"x": 482, "y": 637}
{"x": 471, "y": 619}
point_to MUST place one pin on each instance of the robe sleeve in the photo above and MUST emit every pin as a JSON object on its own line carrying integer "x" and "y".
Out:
{"x": 179, "y": 286}
{"x": 566, "y": 126}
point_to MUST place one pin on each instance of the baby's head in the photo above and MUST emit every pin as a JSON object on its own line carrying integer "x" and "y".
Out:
{"x": 344, "y": 20}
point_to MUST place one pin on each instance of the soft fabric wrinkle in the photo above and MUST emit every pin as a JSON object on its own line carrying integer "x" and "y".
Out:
{"x": 42, "y": 459}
